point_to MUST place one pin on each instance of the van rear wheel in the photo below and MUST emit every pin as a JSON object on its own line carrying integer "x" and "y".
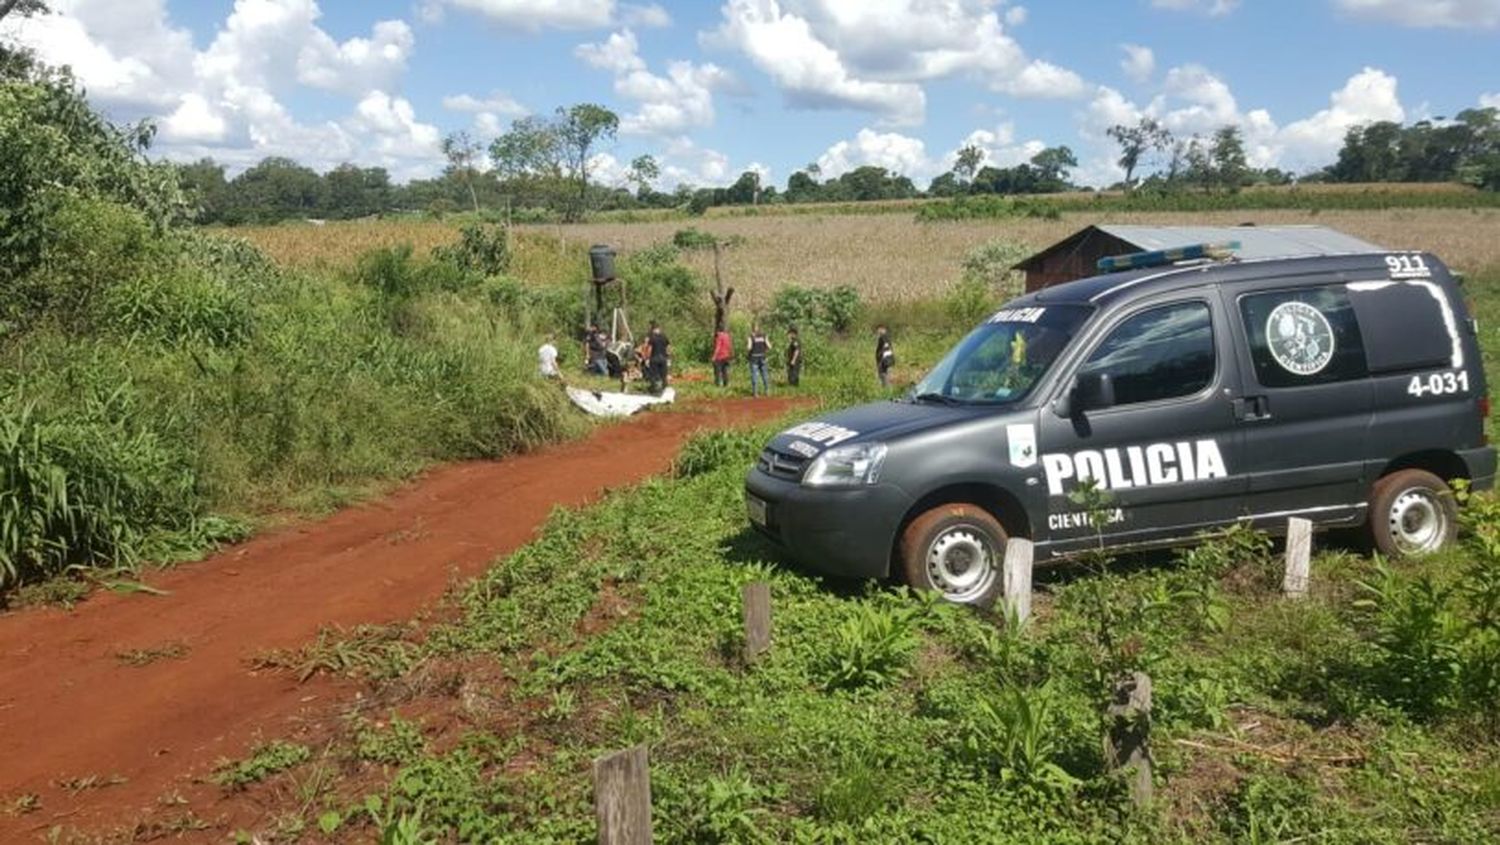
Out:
{"x": 1412, "y": 513}
{"x": 957, "y": 550}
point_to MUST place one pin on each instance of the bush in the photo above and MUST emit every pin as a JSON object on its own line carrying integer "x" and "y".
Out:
{"x": 815, "y": 309}
{"x": 481, "y": 250}
{"x": 872, "y": 648}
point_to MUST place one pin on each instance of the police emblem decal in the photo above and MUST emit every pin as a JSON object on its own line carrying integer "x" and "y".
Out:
{"x": 1300, "y": 338}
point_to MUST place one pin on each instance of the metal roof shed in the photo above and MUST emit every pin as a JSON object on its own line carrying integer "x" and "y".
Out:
{"x": 1075, "y": 257}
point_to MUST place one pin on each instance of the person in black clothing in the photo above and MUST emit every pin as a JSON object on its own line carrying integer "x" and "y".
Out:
{"x": 793, "y": 358}
{"x": 885, "y": 356}
{"x": 596, "y": 346}
{"x": 657, "y": 358}
{"x": 758, "y": 348}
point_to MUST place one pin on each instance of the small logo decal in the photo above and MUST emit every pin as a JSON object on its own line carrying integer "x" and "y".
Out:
{"x": 1300, "y": 338}
{"x": 1022, "y": 441}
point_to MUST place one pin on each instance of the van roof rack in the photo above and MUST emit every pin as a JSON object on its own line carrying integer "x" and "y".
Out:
{"x": 1159, "y": 257}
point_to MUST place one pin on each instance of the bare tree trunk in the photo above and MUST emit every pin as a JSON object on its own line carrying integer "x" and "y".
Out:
{"x": 721, "y": 296}
{"x": 473, "y": 197}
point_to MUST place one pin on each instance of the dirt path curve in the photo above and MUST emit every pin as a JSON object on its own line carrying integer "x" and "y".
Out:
{"x": 71, "y": 709}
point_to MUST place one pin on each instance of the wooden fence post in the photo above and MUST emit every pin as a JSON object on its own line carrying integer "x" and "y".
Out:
{"x": 1018, "y": 559}
{"x": 756, "y": 597}
{"x": 1298, "y": 557}
{"x": 1129, "y": 743}
{"x": 622, "y": 797}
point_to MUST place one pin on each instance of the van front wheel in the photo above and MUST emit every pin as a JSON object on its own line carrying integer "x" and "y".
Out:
{"x": 957, "y": 550}
{"x": 1412, "y": 512}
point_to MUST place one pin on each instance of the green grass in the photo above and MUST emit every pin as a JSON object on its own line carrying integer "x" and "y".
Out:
{"x": 879, "y": 716}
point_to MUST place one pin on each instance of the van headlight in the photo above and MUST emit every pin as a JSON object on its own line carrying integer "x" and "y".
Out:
{"x": 846, "y": 466}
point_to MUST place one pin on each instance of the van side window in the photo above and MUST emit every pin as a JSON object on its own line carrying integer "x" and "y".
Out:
{"x": 1407, "y": 324}
{"x": 1303, "y": 336}
{"x": 1158, "y": 354}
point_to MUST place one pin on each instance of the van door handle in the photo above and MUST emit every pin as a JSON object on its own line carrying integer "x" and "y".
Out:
{"x": 1252, "y": 408}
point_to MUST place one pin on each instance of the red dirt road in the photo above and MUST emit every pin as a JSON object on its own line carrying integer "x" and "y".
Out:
{"x": 71, "y": 709}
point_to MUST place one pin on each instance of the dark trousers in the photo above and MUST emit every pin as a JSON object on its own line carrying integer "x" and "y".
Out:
{"x": 721, "y": 373}
{"x": 656, "y": 374}
{"x": 794, "y": 374}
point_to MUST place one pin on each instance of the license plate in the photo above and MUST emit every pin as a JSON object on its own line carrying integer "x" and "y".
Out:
{"x": 756, "y": 509}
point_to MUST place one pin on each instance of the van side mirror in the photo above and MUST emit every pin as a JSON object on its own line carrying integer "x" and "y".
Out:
{"x": 1092, "y": 392}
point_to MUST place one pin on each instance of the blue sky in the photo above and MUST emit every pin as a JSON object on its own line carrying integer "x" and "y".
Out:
{"x": 714, "y": 88}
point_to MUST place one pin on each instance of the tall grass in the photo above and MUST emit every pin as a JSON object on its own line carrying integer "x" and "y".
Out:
{"x": 192, "y": 380}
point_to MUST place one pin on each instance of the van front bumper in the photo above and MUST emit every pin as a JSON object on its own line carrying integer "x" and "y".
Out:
{"x": 848, "y": 532}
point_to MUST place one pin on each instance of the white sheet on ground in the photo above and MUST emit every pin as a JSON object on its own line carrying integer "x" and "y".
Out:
{"x": 602, "y": 404}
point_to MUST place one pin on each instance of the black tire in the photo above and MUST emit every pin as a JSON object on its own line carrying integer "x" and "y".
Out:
{"x": 1412, "y": 513}
{"x": 957, "y": 550}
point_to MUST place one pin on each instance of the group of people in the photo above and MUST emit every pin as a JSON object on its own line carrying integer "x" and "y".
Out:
{"x": 654, "y": 354}
{"x": 757, "y": 351}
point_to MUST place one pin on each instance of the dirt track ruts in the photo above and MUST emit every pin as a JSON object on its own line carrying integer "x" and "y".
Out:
{"x": 70, "y": 708}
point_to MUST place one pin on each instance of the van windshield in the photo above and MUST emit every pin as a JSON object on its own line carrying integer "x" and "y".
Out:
{"x": 999, "y": 362}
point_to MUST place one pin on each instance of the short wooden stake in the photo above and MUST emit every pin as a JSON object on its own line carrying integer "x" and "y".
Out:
{"x": 622, "y": 797}
{"x": 1298, "y": 557}
{"x": 1018, "y": 559}
{"x": 1128, "y": 745}
{"x": 757, "y": 608}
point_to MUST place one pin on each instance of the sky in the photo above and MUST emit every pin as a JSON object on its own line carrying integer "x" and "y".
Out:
{"x": 717, "y": 87}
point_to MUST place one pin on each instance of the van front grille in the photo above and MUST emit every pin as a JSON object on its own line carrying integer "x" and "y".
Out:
{"x": 781, "y": 465}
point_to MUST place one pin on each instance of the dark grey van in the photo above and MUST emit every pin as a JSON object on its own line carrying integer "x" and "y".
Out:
{"x": 1344, "y": 389}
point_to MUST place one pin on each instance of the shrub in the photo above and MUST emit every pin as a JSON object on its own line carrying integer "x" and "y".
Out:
{"x": 872, "y": 648}
{"x": 482, "y": 250}
{"x": 815, "y": 309}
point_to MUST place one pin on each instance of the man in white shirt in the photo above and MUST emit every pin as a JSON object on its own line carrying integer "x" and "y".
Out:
{"x": 546, "y": 357}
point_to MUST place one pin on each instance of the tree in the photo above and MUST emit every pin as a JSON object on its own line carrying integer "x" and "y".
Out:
{"x": 351, "y": 192}
{"x": 463, "y": 153}
{"x": 745, "y": 190}
{"x": 967, "y": 162}
{"x": 579, "y": 128}
{"x": 1227, "y": 150}
{"x": 22, "y": 8}
{"x": 802, "y": 187}
{"x": 1052, "y": 165}
{"x": 1135, "y": 141}
{"x": 205, "y": 185}
{"x": 643, "y": 172}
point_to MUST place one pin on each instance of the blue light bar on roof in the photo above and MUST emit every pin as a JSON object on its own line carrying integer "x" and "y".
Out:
{"x": 1160, "y": 257}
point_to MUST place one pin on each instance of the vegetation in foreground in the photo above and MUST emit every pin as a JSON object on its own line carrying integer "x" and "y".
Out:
{"x": 1365, "y": 713}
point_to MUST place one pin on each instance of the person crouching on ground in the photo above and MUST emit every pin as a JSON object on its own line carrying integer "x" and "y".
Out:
{"x": 885, "y": 356}
{"x": 546, "y": 358}
{"x": 759, "y": 347}
{"x": 658, "y": 358}
{"x": 723, "y": 354}
{"x": 793, "y": 358}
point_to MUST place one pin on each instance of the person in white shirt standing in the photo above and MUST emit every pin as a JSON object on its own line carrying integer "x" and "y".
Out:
{"x": 546, "y": 356}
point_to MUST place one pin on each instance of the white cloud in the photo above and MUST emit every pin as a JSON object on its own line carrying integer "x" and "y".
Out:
{"x": 1195, "y": 101}
{"x": 531, "y": 15}
{"x": 1368, "y": 96}
{"x": 669, "y": 105}
{"x": 810, "y": 73}
{"x": 1215, "y": 8}
{"x": 645, "y": 17}
{"x": 686, "y": 163}
{"x": 497, "y": 102}
{"x": 1465, "y": 14}
{"x": 1490, "y": 101}
{"x": 225, "y": 100}
{"x": 125, "y": 54}
{"x": 894, "y": 151}
{"x": 907, "y": 156}
{"x": 1139, "y": 62}
{"x": 874, "y": 57}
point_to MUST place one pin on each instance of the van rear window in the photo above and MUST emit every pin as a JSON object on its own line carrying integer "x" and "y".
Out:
{"x": 1403, "y": 325}
{"x": 1303, "y": 336}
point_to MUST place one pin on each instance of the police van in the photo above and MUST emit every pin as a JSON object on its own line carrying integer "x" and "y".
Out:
{"x": 1346, "y": 389}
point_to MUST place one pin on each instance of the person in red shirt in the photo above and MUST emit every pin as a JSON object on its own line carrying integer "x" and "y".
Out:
{"x": 723, "y": 353}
